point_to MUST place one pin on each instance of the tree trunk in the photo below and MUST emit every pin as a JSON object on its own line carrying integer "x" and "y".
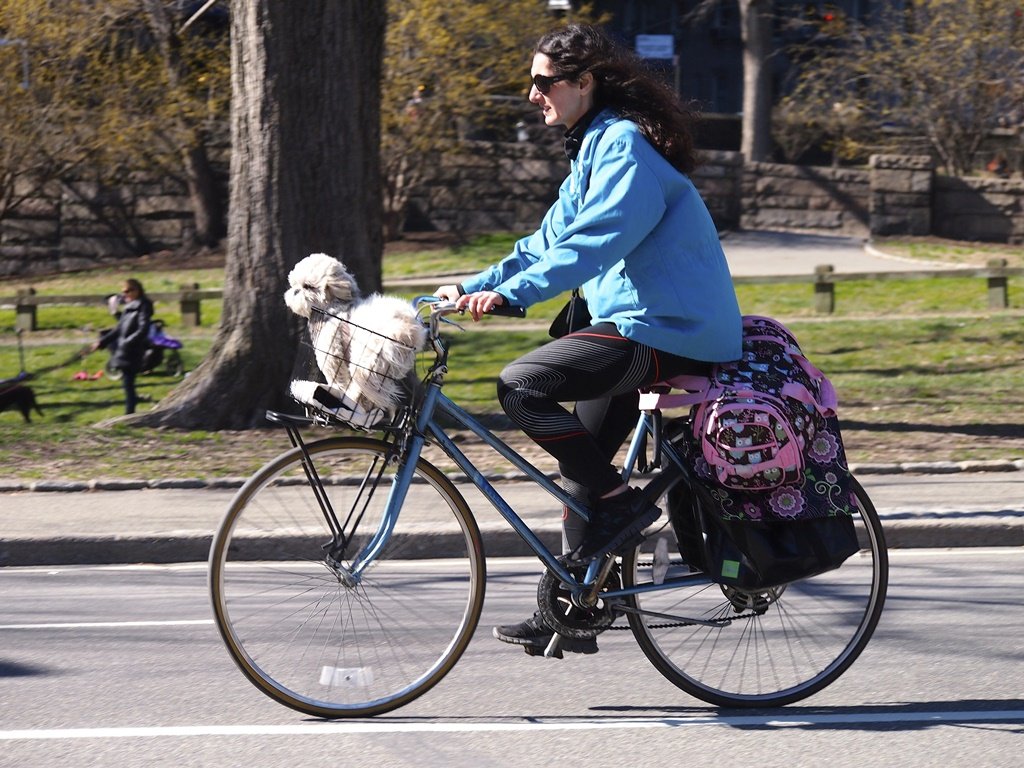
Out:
{"x": 204, "y": 195}
{"x": 756, "y": 24}
{"x": 305, "y": 177}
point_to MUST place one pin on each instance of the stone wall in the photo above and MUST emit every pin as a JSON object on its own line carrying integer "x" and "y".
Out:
{"x": 719, "y": 180}
{"x": 795, "y": 197}
{"x": 895, "y": 195}
{"x": 511, "y": 186}
{"x": 978, "y": 209}
{"x": 901, "y": 194}
{"x": 508, "y": 187}
{"x": 466, "y": 192}
{"x": 497, "y": 186}
{"x": 80, "y": 224}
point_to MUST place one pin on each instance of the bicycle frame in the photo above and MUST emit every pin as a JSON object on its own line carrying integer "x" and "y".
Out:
{"x": 435, "y": 403}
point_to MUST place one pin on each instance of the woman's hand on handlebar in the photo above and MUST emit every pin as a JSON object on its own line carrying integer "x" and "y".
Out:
{"x": 480, "y": 303}
{"x": 448, "y": 292}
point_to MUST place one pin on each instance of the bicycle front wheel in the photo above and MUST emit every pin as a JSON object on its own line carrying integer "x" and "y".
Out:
{"x": 304, "y": 628}
{"x": 771, "y": 648}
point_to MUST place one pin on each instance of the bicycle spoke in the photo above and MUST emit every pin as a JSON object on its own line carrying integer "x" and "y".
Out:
{"x": 791, "y": 644}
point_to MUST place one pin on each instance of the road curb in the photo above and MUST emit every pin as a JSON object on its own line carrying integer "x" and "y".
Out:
{"x": 949, "y": 534}
{"x": 499, "y": 541}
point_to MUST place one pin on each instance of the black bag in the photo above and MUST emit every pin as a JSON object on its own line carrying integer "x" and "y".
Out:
{"x": 753, "y": 540}
{"x": 574, "y": 316}
{"x": 753, "y": 555}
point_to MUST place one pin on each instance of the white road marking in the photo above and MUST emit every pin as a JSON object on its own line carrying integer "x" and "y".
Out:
{"x": 109, "y": 624}
{"x": 333, "y": 728}
{"x": 57, "y": 570}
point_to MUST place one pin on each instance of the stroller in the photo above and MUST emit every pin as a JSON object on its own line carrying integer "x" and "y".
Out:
{"x": 162, "y": 355}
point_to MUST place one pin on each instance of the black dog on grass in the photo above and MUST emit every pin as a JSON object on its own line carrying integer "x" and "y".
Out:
{"x": 21, "y": 397}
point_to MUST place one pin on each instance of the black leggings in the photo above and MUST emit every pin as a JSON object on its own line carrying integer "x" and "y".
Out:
{"x": 600, "y": 371}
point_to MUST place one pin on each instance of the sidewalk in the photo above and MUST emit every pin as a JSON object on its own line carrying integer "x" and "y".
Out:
{"x": 165, "y": 524}
{"x": 788, "y": 253}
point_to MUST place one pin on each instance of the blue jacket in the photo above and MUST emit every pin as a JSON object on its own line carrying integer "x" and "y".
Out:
{"x": 633, "y": 232}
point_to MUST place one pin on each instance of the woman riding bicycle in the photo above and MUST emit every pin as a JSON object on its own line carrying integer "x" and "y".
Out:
{"x": 630, "y": 228}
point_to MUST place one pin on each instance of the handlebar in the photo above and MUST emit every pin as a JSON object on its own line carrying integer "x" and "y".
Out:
{"x": 507, "y": 310}
{"x": 439, "y": 308}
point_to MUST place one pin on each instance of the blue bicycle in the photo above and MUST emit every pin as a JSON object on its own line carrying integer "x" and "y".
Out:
{"x": 334, "y": 603}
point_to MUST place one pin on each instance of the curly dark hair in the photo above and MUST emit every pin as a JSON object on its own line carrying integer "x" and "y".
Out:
{"x": 626, "y": 85}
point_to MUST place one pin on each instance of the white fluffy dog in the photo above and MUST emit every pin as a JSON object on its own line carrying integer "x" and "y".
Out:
{"x": 363, "y": 347}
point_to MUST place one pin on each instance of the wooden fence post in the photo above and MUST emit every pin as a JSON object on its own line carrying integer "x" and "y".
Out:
{"x": 998, "y": 290}
{"x": 24, "y": 312}
{"x": 824, "y": 289}
{"x": 190, "y": 306}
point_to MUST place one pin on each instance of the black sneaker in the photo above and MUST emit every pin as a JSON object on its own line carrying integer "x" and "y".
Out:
{"x": 617, "y": 524}
{"x": 534, "y": 635}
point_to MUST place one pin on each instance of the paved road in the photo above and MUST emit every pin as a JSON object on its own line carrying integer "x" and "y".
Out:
{"x": 788, "y": 253}
{"x": 121, "y": 667}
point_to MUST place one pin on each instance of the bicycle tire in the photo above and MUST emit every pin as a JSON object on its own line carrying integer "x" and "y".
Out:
{"x": 302, "y": 635}
{"x": 807, "y": 636}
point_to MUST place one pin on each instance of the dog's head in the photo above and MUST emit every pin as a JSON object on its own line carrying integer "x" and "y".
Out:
{"x": 319, "y": 280}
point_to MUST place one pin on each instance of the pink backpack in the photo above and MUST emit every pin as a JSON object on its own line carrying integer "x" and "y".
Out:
{"x": 754, "y": 418}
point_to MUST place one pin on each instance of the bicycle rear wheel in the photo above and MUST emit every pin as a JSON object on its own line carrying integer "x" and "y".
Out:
{"x": 766, "y": 649}
{"x": 301, "y": 627}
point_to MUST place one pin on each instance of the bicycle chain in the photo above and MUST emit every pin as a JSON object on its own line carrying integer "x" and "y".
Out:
{"x": 674, "y": 625}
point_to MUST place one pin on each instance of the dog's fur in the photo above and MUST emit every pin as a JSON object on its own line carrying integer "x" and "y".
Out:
{"x": 363, "y": 347}
{"x": 322, "y": 282}
{"x": 21, "y": 397}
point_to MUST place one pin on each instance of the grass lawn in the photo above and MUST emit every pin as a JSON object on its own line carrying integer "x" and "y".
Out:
{"x": 924, "y": 371}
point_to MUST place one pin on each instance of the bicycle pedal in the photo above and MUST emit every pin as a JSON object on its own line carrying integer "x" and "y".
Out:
{"x": 532, "y": 650}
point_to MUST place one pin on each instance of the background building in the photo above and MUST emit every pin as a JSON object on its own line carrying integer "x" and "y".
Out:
{"x": 705, "y": 49}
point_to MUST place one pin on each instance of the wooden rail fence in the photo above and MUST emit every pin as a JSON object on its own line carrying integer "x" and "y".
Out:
{"x": 824, "y": 279}
{"x": 996, "y": 275}
{"x": 26, "y": 303}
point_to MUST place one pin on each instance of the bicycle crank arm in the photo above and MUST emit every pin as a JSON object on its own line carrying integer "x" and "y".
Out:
{"x": 553, "y": 650}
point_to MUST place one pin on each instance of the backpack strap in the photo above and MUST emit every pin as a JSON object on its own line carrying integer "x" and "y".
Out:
{"x": 701, "y": 389}
{"x": 826, "y": 402}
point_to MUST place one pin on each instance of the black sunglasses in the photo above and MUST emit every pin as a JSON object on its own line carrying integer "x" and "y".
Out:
{"x": 543, "y": 83}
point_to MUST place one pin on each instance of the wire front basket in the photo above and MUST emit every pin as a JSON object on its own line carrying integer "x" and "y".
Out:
{"x": 345, "y": 372}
